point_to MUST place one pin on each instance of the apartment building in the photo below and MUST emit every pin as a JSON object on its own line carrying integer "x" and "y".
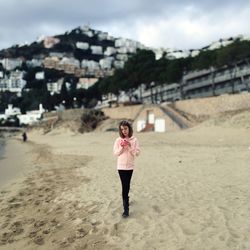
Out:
{"x": 55, "y": 87}
{"x": 212, "y": 82}
{"x": 13, "y": 83}
{"x": 160, "y": 93}
{"x": 11, "y": 63}
{"x": 85, "y": 83}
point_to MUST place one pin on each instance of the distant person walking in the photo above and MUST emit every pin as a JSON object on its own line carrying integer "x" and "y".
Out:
{"x": 126, "y": 147}
{"x": 24, "y": 135}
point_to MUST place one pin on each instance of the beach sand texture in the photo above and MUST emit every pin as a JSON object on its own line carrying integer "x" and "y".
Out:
{"x": 190, "y": 191}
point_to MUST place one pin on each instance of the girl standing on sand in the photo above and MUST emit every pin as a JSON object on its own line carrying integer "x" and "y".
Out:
{"x": 126, "y": 147}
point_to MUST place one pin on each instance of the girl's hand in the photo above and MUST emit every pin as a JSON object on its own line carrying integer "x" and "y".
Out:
{"x": 125, "y": 143}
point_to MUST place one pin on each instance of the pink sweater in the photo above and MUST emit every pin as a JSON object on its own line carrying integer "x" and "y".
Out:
{"x": 126, "y": 156}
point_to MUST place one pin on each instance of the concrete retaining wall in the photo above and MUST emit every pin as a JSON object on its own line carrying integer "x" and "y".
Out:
{"x": 214, "y": 105}
{"x": 124, "y": 112}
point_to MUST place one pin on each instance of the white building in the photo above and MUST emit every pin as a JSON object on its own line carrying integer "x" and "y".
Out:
{"x": 57, "y": 54}
{"x": 90, "y": 64}
{"x": 122, "y": 57}
{"x": 11, "y": 63}
{"x": 118, "y": 64}
{"x": 31, "y": 117}
{"x": 106, "y": 63}
{"x": 171, "y": 54}
{"x": 55, "y": 87}
{"x": 219, "y": 44}
{"x": 102, "y": 36}
{"x": 110, "y": 38}
{"x": 14, "y": 83}
{"x": 159, "y": 52}
{"x": 70, "y": 61}
{"x": 96, "y": 50}
{"x": 2, "y": 117}
{"x": 123, "y": 50}
{"x": 109, "y": 51}
{"x": 82, "y": 45}
{"x": 34, "y": 63}
{"x": 123, "y": 42}
{"x": 88, "y": 33}
{"x": 39, "y": 75}
{"x": 85, "y": 83}
{"x": 10, "y": 111}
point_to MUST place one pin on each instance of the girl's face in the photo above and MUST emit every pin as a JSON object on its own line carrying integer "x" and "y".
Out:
{"x": 125, "y": 130}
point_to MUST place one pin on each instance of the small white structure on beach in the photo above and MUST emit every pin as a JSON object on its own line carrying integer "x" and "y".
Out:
{"x": 141, "y": 124}
{"x": 160, "y": 125}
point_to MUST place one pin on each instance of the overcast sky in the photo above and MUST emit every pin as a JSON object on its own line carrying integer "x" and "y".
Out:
{"x": 176, "y": 24}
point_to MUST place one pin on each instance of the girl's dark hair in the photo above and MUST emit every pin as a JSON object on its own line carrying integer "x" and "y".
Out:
{"x": 125, "y": 123}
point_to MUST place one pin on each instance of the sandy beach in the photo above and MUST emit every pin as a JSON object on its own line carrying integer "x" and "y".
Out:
{"x": 190, "y": 191}
{"x": 12, "y": 164}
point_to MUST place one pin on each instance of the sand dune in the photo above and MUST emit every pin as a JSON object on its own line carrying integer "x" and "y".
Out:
{"x": 190, "y": 190}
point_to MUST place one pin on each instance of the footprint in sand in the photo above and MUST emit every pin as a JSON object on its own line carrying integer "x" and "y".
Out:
{"x": 6, "y": 237}
{"x": 81, "y": 232}
{"x": 39, "y": 240}
{"x": 114, "y": 231}
{"x": 10, "y": 216}
{"x": 46, "y": 231}
{"x": 17, "y": 228}
{"x": 15, "y": 205}
{"x": 14, "y": 199}
{"x": 29, "y": 221}
{"x": 5, "y": 224}
{"x": 4, "y": 192}
{"x": 156, "y": 209}
{"x": 33, "y": 233}
{"x": 39, "y": 223}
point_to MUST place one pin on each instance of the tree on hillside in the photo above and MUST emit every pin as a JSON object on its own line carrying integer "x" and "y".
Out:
{"x": 204, "y": 60}
{"x": 52, "y": 75}
{"x": 6, "y": 97}
{"x": 140, "y": 67}
{"x": 230, "y": 55}
{"x": 31, "y": 99}
{"x": 81, "y": 97}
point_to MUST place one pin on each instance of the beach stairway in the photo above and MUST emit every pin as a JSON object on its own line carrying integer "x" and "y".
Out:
{"x": 180, "y": 120}
{"x": 159, "y": 118}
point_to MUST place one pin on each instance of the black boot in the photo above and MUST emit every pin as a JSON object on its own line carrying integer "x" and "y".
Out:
{"x": 126, "y": 207}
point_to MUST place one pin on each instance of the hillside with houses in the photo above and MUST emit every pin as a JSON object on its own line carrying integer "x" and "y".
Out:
{"x": 82, "y": 53}
{"x": 86, "y": 68}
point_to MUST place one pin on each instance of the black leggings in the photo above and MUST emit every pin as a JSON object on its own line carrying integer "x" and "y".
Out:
{"x": 125, "y": 176}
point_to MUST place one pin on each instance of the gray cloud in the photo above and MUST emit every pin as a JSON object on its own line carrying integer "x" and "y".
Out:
{"x": 161, "y": 23}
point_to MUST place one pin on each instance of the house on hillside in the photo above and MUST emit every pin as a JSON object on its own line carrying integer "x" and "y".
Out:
{"x": 10, "y": 111}
{"x": 31, "y": 117}
{"x": 13, "y": 83}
